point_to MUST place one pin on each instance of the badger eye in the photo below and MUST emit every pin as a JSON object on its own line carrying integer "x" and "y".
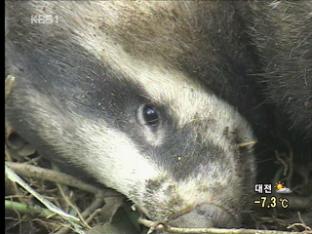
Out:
{"x": 150, "y": 115}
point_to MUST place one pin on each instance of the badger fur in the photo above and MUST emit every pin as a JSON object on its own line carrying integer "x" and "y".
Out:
{"x": 150, "y": 98}
{"x": 281, "y": 32}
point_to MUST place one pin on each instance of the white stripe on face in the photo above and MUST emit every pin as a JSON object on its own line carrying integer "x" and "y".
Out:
{"x": 115, "y": 158}
{"x": 107, "y": 153}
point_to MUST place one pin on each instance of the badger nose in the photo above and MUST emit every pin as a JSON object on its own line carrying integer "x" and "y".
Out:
{"x": 207, "y": 215}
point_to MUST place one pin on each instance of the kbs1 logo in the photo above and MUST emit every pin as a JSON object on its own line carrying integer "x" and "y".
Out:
{"x": 44, "y": 19}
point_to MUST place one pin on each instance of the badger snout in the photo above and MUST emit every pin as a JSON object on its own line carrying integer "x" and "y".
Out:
{"x": 207, "y": 215}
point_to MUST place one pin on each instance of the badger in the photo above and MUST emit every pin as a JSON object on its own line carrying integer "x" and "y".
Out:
{"x": 151, "y": 98}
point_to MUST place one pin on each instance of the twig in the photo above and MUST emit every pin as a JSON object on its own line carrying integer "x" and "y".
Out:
{"x": 164, "y": 227}
{"x": 94, "y": 206}
{"x": 26, "y": 209}
{"x": 15, "y": 178}
{"x": 58, "y": 177}
{"x": 68, "y": 201}
{"x": 299, "y": 225}
{"x": 284, "y": 164}
{"x": 307, "y": 229}
{"x": 95, "y": 212}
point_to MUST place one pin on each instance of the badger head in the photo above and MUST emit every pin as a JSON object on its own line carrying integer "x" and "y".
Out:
{"x": 138, "y": 124}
